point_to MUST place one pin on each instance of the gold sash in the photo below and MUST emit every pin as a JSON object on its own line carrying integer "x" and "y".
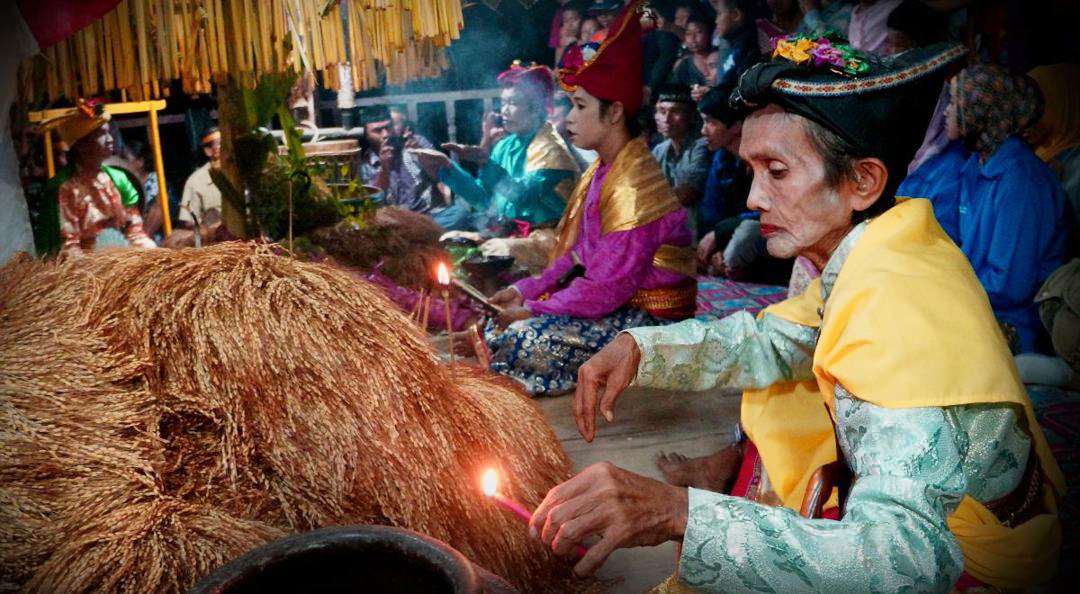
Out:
{"x": 881, "y": 339}
{"x": 547, "y": 150}
{"x": 635, "y": 193}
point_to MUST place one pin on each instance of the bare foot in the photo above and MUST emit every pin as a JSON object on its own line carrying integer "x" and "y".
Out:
{"x": 715, "y": 472}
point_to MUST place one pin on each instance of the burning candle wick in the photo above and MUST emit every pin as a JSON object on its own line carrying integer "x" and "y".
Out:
{"x": 444, "y": 280}
{"x": 490, "y": 486}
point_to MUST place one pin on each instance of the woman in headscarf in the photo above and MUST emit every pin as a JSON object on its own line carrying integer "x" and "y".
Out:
{"x": 994, "y": 197}
{"x": 1056, "y": 136}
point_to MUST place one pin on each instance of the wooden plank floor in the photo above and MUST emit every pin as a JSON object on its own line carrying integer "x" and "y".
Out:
{"x": 646, "y": 422}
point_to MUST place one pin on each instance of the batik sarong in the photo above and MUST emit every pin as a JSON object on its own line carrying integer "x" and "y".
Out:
{"x": 544, "y": 353}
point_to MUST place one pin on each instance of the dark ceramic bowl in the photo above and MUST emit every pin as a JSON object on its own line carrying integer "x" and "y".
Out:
{"x": 463, "y": 242}
{"x": 350, "y": 559}
{"x": 487, "y": 266}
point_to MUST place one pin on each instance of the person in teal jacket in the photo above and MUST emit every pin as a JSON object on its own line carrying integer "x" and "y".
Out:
{"x": 526, "y": 170}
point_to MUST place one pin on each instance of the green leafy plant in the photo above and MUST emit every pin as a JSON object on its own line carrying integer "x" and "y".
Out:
{"x": 281, "y": 192}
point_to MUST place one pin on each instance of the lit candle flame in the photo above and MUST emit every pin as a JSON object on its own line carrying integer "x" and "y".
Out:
{"x": 443, "y": 274}
{"x": 491, "y": 482}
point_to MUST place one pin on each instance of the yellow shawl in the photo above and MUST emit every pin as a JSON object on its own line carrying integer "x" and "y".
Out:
{"x": 907, "y": 325}
{"x": 635, "y": 193}
{"x": 1059, "y": 126}
{"x": 547, "y": 150}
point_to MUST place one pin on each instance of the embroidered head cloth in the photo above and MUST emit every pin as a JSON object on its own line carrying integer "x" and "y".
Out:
{"x": 611, "y": 71}
{"x": 674, "y": 93}
{"x": 715, "y": 105}
{"x": 880, "y": 106}
{"x": 88, "y": 117}
{"x": 374, "y": 113}
{"x": 536, "y": 81}
{"x": 993, "y": 105}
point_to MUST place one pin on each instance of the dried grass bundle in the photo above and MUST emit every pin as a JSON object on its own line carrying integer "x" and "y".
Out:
{"x": 163, "y": 411}
{"x": 407, "y": 244}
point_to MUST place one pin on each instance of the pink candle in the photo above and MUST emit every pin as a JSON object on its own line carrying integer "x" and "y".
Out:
{"x": 444, "y": 280}
{"x": 513, "y": 506}
{"x": 490, "y": 487}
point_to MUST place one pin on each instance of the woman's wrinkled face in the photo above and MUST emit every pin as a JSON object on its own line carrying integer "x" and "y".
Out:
{"x": 518, "y": 113}
{"x": 584, "y": 124}
{"x": 800, "y": 213}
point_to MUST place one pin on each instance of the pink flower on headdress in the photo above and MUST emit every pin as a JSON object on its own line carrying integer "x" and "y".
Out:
{"x": 825, "y": 54}
{"x": 573, "y": 58}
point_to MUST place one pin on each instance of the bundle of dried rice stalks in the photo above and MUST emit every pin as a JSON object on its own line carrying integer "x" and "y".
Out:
{"x": 162, "y": 411}
{"x": 405, "y": 242}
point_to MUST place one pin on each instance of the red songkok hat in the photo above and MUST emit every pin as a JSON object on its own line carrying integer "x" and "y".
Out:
{"x": 535, "y": 80}
{"x": 611, "y": 71}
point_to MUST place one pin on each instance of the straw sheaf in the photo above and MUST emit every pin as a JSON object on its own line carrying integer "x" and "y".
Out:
{"x": 163, "y": 411}
{"x": 405, "y": 242}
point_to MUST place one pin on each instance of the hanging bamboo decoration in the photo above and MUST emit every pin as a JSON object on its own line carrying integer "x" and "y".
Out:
{"x": 141, "y": 46}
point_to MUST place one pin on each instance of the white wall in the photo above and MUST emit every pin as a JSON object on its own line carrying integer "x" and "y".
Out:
{"x": 16, "y": 43}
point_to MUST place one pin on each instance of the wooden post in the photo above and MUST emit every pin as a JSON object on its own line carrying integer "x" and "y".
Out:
{"x": 50, "y": 166}
{"x": 235, "y": 221}
{"x": 159, "y": 167}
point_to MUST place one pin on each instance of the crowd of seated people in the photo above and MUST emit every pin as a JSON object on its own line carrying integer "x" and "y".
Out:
{"x": 974, "y": 155}
{"x": 1000, "y": 160}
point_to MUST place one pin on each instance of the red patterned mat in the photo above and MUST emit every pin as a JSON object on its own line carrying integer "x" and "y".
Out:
{"x": 719, "y": 297}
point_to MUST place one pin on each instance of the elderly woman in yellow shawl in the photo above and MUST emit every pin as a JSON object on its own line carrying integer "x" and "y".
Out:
{"x": 891, "y": 361}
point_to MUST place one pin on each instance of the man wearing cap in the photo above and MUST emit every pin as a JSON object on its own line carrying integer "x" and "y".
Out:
{"x": 682, "y": 154}
{"x": 200, "y": 204}
{"x": 526, "y": 171}
{"x": 622, "y": 255}
{"x": 891, "y": 359}
{"x": 385, "y": 164}
{"x": 98, "y": 205}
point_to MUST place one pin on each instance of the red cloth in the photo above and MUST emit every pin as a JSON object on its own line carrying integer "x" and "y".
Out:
{"x": 749, "y": 478}
{"x": 748, "y": 471}
{"x": 56, "y": 20}
{"x": 555, "y": 34}
{"x": 615, "y": 72}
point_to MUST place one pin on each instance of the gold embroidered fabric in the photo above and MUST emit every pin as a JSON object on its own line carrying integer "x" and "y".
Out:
{"x": 635, "y": 193}
{"x": 547, "y": 150}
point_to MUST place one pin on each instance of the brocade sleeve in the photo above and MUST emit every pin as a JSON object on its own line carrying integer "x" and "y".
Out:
{"x": 892, "y": 537}
{"x": 532, "y": 196}
{"x": 735, "y": 352}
